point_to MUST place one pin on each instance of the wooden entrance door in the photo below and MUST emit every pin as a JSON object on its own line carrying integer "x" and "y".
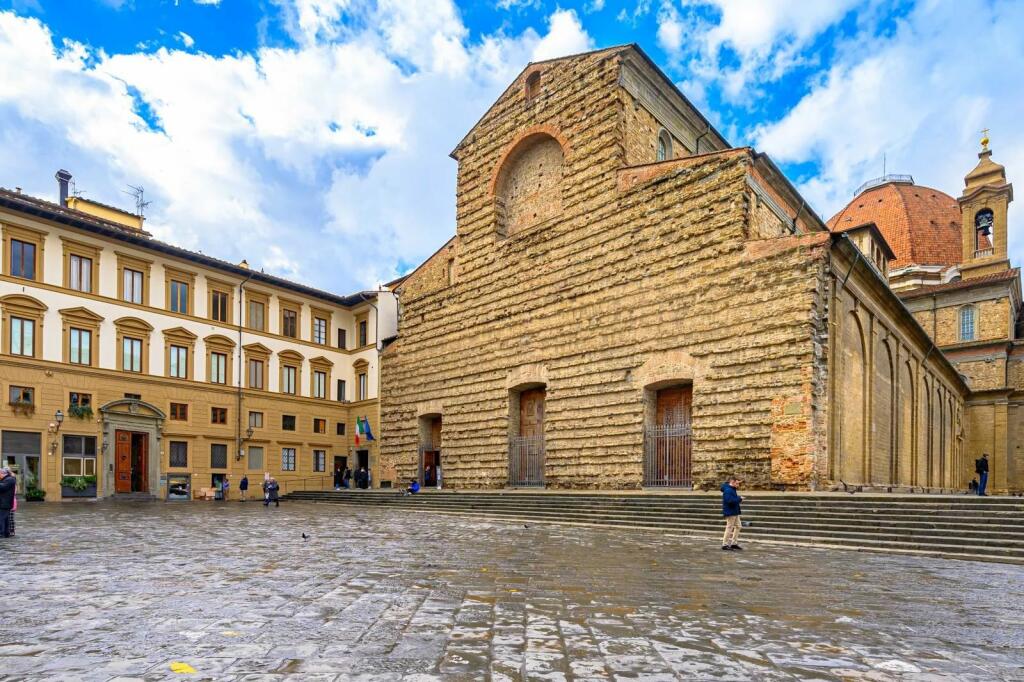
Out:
{"x": 531, "y": 413}
{"x": 668, "y": 453}
{"x": 123, "y": 462}
{"x": 675, "y": 406}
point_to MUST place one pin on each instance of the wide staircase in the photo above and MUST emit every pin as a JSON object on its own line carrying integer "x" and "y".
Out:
{"x": 963, "y": 527}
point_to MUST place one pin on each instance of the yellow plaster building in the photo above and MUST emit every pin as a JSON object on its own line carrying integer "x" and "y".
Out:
{"x": 130, "y": 366}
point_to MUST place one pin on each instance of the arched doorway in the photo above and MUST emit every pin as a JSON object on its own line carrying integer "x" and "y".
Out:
{"x": 132, "y": 431}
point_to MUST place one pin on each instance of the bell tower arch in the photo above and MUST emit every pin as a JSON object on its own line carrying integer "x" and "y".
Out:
{"x": 984, "y": 206}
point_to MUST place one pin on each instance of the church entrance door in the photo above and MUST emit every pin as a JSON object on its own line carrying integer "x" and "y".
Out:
{"x": 668, "y": 446}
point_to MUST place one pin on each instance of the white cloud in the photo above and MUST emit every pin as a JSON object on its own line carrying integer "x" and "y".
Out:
{"x": 206, "y": 2}
{"x": 186, "y": 39}
{"x": 327, "y": 162}
{"x": 920, "y": 97}
{"x": 670, "y": 28}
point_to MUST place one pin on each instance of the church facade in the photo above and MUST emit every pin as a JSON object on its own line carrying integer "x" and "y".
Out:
{"x": 629, "y": 302}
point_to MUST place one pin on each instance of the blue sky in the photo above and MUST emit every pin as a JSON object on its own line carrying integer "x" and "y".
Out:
{"x": 311, "y": 136}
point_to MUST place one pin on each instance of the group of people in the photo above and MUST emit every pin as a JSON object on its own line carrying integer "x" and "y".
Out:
{"x": 343, "y": 478}
{"x": 271, "y": 489}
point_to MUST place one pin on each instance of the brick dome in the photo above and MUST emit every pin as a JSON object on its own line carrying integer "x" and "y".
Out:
{"x": 921, "y": 224}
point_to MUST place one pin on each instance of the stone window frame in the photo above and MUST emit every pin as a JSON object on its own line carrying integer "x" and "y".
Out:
{"x": 127, "y": 261}
{"x": 227, "y": 458}
{"x": 319, "y": 460}
{"x": 257, "y": 351}
{"x": 293, "y": 306}
{"x": 248, "y": 457}
{"x": 132, "y": 328}
{"x": 293, "y": 460}
{"x": 26, "y": 308}
{"x": 531, "y": 86}
{"x": 362, "y": 318}
{"x": 322, "y": 314}
{"x": 322, "y": 422}
{"x": 663, "y": 146}
{"x": 290, "y": 359}
{"x": 171, "y": 412}
{"x": 252, "y": 296}
{"x": 170, "y": 449}
{"x": 961, "y": 318}
{"x": 362, "y": 371}
{"x": 30, "y": 236}
{"x": 320, "y": 364}
{"x": 172, "y": 274}
{"x": 181, "y": 337}
{"x": 262, "y": 419}
{"x": 218, "y": 343}
{"x": 71, "y": 248}
{"x": 222, "y": 287}
{"x": 223, "y": 411}
{"x": 84, "y": 319}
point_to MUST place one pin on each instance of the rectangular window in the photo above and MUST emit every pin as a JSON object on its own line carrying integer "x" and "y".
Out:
{"x": 319, "y": 460}
{"x": 256, "y": 420}
{"x": 218, "y": 415}
{"x": 287, "y": 422}
{"x": 133, "y": 396}
{"x": 290, "y": 323}
{"x": 80, "y": 400}
{"x": 319, "y": 425}
{"x": 363, "y": 338}
{"x": 255, "y": 374}
{"x": 256, "y": 320}
{"x": 288, "y": 459}
{"x": 179, "y": 412}
{"x": 219, "y": 306}
{"x": 255, "y": 457}
{"x": 218, "y": 368}
{"x": 363, "y": 390}
{"x": 80, "y": 273}
{"x": 218, "y": 456}
{"x": 179, "y": 297}
{"x": 319, "y": 384}
{"x": 342, "y": 393}
{"x": 320, "y": 330}
{"x": 133, "y": 286}
{"x": 179, "y": 454}
{"x": 23, "y": 259}
{"x": 131, "y": 354}
{"x": 23, "y": 337}
{"x": 967, "y": 323}
{"x": 80, "y": 351}
{"x": 288, "y": 380}
{"x": 341, "y": 339}
{"x": 179, "y": 362}
{"x": 79, "y": 456}
{"x": 21, "y": 395}
{"x": 340, "y": 428}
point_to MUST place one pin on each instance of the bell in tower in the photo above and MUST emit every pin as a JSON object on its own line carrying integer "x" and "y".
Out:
{"x": 983, "y": 207}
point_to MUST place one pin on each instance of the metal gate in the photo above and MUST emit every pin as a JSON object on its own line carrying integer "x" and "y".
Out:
{"x": 526, "y": 461}
{"x": 668, "y": 456}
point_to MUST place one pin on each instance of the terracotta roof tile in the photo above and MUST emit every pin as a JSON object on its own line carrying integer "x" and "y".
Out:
{"x": 921, "y": 224}
{"x": 1005, "y": 275}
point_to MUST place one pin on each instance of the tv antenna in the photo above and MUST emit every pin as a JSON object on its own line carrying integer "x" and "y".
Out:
{"x": 140, "y": 198}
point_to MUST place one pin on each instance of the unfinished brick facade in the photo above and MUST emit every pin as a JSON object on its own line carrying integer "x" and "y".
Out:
{"x": 600, "y": 277}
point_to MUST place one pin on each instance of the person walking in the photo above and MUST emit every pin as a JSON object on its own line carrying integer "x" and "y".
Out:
{"x": 346, "y": 479}
{"x": 981, "y": 468}
{"x": 437, "y": 473}
{"x": 361, "y": 479}
{"x": 270, "y": 492}
{"x": 225, "y": 484}
{"x": 8, "y": 485}
{"x": 337, "y": 477}
{"x": 243, "y": 486}
{"x": 731, "y": 511}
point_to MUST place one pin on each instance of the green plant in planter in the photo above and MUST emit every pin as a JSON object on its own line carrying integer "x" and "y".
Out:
{"x": 22, "y": 406}
{"x": 80, "y": 411}
{"x": 78, "y": 483}
{"x": 35, "y": 494}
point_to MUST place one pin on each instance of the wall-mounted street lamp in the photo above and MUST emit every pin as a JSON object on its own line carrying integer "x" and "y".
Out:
{"x": 58, "y": 419}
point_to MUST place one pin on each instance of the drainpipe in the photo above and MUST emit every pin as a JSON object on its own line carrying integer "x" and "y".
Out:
{"x": 696, "y": 144}
{"x": 376, "y": 345}
{"x": 241, "y": 369}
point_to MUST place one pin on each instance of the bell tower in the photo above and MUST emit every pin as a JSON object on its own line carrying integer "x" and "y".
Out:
{"x": 983, "y": 207}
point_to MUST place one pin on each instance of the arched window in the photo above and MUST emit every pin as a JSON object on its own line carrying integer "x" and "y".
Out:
{"x": 664, "y": 145}
{"x": 532, "y": 86}
{"x": 983, "y": 231}
{"x": 967, "y": 323}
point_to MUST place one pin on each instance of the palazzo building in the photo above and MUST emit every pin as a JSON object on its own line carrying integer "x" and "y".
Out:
{"x": 630, "y": 302}
{"x": 131, "y": 366}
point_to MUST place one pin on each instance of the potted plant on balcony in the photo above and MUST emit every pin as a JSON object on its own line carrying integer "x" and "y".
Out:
{"x": 20, "y": 406}
{"x": 78, "y": 486}
{"x": 80, "y": 411}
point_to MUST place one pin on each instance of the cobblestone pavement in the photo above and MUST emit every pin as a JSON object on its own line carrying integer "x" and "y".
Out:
{"x": 121, "y": 591}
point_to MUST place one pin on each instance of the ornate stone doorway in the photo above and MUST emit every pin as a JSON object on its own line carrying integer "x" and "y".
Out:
{"x": 132, "y": 438}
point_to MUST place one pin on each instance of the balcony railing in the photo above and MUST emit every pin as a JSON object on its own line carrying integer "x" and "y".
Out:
{"x": 982, "y": 253}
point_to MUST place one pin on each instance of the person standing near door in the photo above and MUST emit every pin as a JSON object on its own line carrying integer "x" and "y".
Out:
{"x": 346, "y": 478}
{"x": 981, "y": 468}
{"x": 225, "y": 484}
{"x": 731, "y": 511}
{"x": 7, "y": 488}
{"x": 243, "y": 486}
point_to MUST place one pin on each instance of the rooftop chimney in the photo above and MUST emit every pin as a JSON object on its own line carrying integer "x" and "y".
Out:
{"x": 63, "y": 178}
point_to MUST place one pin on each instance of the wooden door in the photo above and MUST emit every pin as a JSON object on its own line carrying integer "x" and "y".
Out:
{"x": 435, "y": 433}
{"x": 675, "y": 406}
{"x": 123, "y": 462}
{"x": 531, "y": 413}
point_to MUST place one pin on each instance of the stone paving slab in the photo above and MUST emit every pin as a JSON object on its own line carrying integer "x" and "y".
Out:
{"x": 111, "y": 591}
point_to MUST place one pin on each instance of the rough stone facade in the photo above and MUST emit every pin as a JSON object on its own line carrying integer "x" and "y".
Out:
{"x": 688, "y": 272}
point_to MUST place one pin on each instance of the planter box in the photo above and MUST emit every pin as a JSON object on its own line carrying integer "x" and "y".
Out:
{"x": 66, "y": 492}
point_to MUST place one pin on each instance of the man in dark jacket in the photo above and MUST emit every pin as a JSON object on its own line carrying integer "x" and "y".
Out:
{"x": 7, "y": 486}
{"x": 731, "y": 511}
{"x": 981, "y": 468}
